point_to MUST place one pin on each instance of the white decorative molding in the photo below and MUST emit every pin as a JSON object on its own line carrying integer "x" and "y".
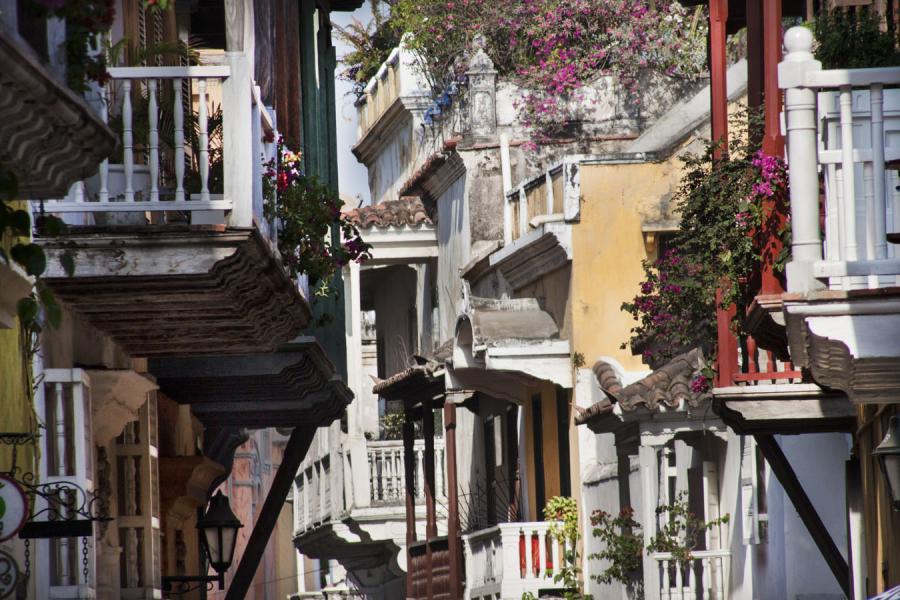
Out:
{"x": 401, "y": 245}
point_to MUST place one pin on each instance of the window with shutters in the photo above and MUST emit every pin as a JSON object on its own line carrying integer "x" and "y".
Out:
{"x": 137, "y": 499}
{"x": 65, "y": 565}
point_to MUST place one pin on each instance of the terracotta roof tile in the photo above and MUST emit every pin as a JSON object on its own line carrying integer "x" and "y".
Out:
{"x": 408, "y": 210}
{"x": 669, "y": 385}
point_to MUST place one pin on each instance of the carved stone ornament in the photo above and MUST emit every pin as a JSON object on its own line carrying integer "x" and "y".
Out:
{"x": 482, "y": 93}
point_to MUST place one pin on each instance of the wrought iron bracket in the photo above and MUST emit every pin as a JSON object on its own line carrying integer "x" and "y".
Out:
{"x": 181, "y": 583}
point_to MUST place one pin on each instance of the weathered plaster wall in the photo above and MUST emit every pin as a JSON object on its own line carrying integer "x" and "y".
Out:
{"x": 818, "y": 460}
{"x": 608, "y": 247}
{"x": 453, "y": 248}
{"x": 396, "y": 161}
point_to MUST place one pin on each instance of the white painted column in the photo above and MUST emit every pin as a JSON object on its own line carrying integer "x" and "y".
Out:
{"x": 800, "y": 119}
{"x": 649, "y": 496}
{"x": 237, "y": 130}
{"x": 856, "y": 531}
{"x": 355, "y": 439}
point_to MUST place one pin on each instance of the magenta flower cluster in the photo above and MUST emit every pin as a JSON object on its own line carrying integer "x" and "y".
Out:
{"x": 555, "y": 48}
{"x": 771, "y": 176}
{"x": 673, "y": 298}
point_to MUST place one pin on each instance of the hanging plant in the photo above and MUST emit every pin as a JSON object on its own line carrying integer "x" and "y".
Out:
{"x": 85, "y": 19}
{"x": 731, "y": 208}
{"x": 314, "y": 238}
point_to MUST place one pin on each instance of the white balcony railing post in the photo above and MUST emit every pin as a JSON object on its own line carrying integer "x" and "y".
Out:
{"x": 387, "y": 474}
{"x": 237, "y": 129}
{"x": 800, "y": 118}
{"x": 178, "y": 115}
{"x": 702, "y": 577}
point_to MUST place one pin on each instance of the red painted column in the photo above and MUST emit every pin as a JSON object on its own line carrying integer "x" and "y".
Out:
{"x": 773, "y": 142}
{"x": 754, "y": 55}
{"x": 409, "y": 470}
{"x": 430, "y": 513}
{"x": 718, "y": 65}
{"x": 453, "y": 546}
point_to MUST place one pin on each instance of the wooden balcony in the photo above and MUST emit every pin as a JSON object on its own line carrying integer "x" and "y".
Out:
{"x": 173, "y": 255}
{"x": 838, "y": 320}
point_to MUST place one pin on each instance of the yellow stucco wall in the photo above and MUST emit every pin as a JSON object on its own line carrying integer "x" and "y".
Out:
{"x": 608, "y": 247}
{"x": 16, "y": 409}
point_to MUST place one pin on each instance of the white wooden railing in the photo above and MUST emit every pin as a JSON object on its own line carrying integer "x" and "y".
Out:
{"x": 846, "y": 124}
{"x": 387, "y": 477}
{"x": 318, "y": 494}
{"x": 397, "y": 76}
{"x": 152, "y": 178}
{"x": 510, "y": 559}
{"x": 550, "y": 197}
{"x": 322, "y": 492}
{"x": 704, "y": 577}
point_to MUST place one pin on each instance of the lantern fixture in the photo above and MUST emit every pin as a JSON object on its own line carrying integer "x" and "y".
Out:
{"x": 888, "y": 454}
{"x": 218, "y": 530}
{"x": 218, "y": 534}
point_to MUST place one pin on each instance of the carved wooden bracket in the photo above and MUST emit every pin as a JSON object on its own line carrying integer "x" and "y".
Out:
{"x": 864, "y": 380}
{"x": 116, "y": 397}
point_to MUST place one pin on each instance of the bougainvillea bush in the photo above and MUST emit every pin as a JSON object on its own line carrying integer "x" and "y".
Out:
{"x": 314, "y": 238}
{"x": 552, "y": 49}
{"x": 731, "y": 208}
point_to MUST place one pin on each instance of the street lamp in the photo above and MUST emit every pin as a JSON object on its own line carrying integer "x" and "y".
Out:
{"x": 218, "y": 529}
{"x": 888, "y": 453}
{"x": 218, "y": 533}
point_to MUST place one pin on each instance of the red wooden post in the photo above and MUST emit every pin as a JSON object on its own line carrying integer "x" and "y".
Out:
{"x": 409, "y": 469}
{"x": 773, "y": 142}
{"x": 453, "y": 547}
{"x": 718, "y": 65}
{"x": 430, "y": 514}
{"x": 727, "y": 359}
{"x": 755, "y": 77}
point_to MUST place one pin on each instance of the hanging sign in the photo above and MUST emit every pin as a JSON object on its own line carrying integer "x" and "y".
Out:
{"x": 9, "y": 574}
{"x": 13, "y": 508}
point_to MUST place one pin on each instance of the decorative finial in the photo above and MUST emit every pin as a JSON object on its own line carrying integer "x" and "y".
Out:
{"x": 799, "y": 40}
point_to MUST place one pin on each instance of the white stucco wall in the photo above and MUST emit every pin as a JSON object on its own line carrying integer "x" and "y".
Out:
{"x": 454, "y": 246}
{"x": 818, "y": 460}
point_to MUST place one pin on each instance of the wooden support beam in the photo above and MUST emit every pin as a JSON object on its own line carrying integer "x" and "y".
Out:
{"x": 294, "y": 452}
{"x": 804, "y": 506}
{"x": 453, "y": 545}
